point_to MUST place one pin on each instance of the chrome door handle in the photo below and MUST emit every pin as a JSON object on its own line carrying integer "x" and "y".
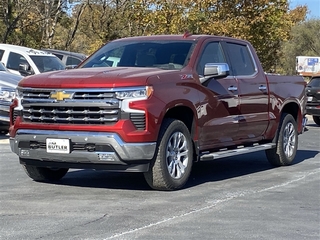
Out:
{"x": 232, "y": 88}
{"x": 263, "y": 88}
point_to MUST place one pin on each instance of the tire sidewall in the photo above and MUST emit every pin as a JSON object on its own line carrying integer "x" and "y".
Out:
{"x": 174, "y": 127}
{"x": 316, "y": 120}
{"x": 284, "y": 158}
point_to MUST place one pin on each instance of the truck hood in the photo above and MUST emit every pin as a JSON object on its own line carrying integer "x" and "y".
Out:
{"x": 109, "y": 77}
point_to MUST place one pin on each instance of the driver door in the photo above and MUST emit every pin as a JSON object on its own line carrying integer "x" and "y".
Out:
{"x": 219, "y": 107}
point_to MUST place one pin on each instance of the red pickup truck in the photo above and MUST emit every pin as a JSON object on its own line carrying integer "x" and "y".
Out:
{"x": 156, "y": 104}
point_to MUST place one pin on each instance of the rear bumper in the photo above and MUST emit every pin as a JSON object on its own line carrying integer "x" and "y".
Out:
{"x": 87, "y": 150}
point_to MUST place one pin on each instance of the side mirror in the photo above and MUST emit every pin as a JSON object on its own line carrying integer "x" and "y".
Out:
{"x": 25, "y": 69}
{"x": 71, "y": 66}
{"x": 216, "y": 70}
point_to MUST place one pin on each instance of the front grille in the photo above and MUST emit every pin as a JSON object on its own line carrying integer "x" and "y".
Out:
{"x": 74, "y": 107}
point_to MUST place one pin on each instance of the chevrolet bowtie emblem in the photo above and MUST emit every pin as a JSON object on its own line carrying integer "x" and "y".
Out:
{"x": 60, "y": 95}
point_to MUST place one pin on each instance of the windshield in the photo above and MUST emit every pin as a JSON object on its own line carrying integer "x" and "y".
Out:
{"x": 48, "y": 63}
{"x": 315, "y": 82}
{"x": 158, "y": 54}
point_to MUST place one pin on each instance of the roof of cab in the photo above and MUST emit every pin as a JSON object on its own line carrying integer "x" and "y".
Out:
{"x": 63, "y": 52}
{"x": 177, "y": 37}
{"x": 21, "y": 49}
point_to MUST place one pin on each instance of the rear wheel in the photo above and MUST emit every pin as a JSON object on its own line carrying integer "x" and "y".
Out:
{"x": 171, "y": 166}
{"x": 43, "y": 174}
{"x": 316, "y": 119}
{"x": 286, "y": 142}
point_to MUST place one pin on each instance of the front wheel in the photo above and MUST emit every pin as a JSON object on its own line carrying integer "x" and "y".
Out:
{"x": 43, "y": 174}
{"x": 316, "y": 119}
{"x": 286, "y": 140}
{"x": 171, "y": 166}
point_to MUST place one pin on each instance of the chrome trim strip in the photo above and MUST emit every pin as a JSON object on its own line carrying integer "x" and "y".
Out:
{"x": 83, "y": 89}
{"x": 234, "y": 152}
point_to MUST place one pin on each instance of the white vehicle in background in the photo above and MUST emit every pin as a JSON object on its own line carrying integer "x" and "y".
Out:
{"x": 27, "y": 61}
{"x": 8, "y": 84}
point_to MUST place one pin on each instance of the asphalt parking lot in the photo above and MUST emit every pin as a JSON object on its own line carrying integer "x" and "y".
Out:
{"x": 235, "y": 198}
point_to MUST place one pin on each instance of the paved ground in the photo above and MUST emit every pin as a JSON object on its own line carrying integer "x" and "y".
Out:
{"x": 235, "y": 198}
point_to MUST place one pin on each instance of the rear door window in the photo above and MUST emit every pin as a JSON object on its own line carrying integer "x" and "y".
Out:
{"x": 241, "y": 60}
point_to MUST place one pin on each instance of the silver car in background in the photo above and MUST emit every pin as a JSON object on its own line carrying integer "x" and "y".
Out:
{"x": 8, "y": 84}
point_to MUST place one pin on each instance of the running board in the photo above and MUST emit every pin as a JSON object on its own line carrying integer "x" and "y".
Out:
{"x": 237, "y": 151}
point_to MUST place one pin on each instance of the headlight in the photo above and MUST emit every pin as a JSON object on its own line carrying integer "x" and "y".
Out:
{"x": 128, "y": 95}
{"x": 135, "y": 93}
{"x": 7, "y": 94}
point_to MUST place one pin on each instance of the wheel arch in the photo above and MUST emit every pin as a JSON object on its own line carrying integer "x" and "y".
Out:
{"x": 293, "y": 108}
{"x": 185, "y": 115}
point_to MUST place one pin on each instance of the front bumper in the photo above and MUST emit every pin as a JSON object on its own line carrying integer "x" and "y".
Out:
{"x": 313, "y": 110}
{"x": 4, "y": 112}
{"x": 87, "y": 150}
{"x": 4, "y": 116}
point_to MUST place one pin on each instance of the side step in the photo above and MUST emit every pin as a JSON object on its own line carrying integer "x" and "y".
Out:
{"x": 237, "y": 151}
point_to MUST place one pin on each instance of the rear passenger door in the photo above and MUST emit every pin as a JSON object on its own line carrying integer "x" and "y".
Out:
{"x": 252, "y": 90}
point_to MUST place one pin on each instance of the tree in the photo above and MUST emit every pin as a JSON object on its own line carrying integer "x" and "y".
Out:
{"x": 49, "y": 13}
{"x": 12, "y": 12}
{"x": 304, "y": 41}
{"x": 84, "y": 25}
{"x": 265, "y": 23}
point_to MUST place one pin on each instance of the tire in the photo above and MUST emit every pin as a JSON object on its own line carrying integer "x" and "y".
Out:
{"x": 171, "y": 166}
{"x": 42, "y": 174}
{"x": 316, "y": 119}
{"x": 286, "y": 141}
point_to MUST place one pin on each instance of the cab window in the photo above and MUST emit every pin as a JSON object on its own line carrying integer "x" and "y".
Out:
{"x": 212, "y": 53}
{"x": 14, "y": 60}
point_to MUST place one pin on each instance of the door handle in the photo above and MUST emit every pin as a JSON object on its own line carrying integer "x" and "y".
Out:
{"x": 262, "y": 88}
{"x": 232, "y": 88}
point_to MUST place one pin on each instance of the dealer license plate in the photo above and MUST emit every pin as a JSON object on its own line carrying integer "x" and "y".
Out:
{"x": 310, "y": 99}
{"x": 55, "y": 145}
